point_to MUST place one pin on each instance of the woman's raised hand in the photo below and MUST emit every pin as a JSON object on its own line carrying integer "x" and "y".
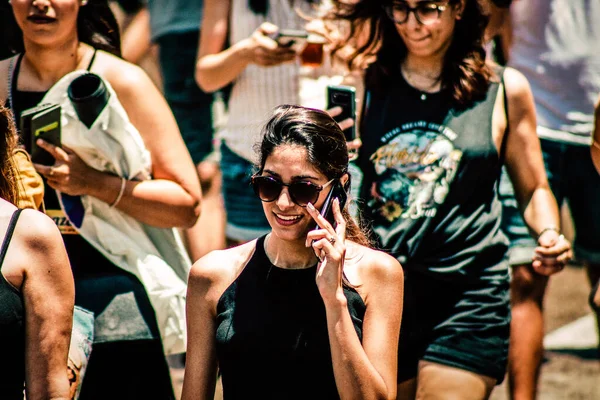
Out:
{"x": 264, "y": 51}
{"x": 69, "y": 174}
{"x": 330, "y": 247}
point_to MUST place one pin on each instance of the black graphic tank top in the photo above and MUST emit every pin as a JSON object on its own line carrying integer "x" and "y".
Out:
{"x": 430, "y": 183}
{"x": 272, "y": 340}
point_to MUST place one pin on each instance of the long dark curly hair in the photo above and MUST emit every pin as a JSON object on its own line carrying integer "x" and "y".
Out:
{"x": 96, "y": 26}
{"x": 373, "y": 39}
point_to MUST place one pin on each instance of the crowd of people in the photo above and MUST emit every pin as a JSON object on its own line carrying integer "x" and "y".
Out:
{"x": 232, "y": 245}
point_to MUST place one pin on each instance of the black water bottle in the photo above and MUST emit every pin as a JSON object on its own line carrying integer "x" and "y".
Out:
{"x": 89, "y": 96}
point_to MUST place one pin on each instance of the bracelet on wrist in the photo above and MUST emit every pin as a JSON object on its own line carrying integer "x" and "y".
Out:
{"x": 546, "y": 229}
{"x": 120, "y": 195}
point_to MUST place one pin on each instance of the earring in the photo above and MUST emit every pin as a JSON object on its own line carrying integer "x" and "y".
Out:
{"x": 84, "y": 2}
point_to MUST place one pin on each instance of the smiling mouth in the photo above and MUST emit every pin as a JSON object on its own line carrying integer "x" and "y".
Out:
{"x": 287, "y": 219}
{"x": 41, "y": 19}
{"x": 417, "y": 39}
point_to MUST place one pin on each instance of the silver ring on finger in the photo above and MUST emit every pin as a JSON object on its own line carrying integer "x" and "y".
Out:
{"x": 331, "y": 239}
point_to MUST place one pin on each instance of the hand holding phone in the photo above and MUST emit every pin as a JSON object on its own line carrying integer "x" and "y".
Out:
{"x": 294, "y": 39}
{"x": 336, "y": 192}
{"x": 345, "y": 98}
{"x": 42, "y": 122}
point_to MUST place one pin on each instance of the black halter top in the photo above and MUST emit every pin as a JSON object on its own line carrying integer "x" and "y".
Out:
{"x": 272, "y": 339}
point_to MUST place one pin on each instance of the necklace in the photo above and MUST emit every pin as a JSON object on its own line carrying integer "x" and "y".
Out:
{"x": 416, "y": 81}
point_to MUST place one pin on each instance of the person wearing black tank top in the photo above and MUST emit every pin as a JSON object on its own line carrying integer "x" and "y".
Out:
{"x": 52, "y": 39}
{"x": 437, "y": 125}
{"x": 298, "y": 313}
{"x": 36, "y": 292}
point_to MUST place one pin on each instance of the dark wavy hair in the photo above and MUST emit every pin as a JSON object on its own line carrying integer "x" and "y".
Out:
{"x": 8, "y": 142}
{"x": 373, "y": 39}
{"x": 96, "y": 26}
{"x": 325, "y": 146}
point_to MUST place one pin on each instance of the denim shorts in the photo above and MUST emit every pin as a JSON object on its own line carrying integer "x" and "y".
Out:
{"x": 245, "y": 215}
{"x": 460, "y": 325}
{"x": 191, "y": 107}
{"x": 572, "y": 178}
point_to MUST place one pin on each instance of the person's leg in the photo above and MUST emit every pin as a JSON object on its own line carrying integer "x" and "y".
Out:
{"x": 526, "y": 331}
{"x": 527, "y": 287}
{"x": 437, "y": 381}
{"x": 583, "y": 194}
{"x": 593, "y": 272}
{"x": 192, "y": 109}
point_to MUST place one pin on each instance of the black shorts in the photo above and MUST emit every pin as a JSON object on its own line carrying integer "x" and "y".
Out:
{"x": 464, "y": 326}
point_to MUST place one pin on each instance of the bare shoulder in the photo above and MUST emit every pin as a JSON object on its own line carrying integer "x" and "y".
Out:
{"x": 516, "y": 85}
{"x": 38, "y": 247}
{"x": 212, "y": 274}
{"x": 374, "y": 267}
{"x": 37, "y": 231}
{"x": 123, "y": 76}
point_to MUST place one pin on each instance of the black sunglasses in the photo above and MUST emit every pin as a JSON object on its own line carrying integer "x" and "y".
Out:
{"x": 426, "y": 12}
{"x": 269, "y": 189}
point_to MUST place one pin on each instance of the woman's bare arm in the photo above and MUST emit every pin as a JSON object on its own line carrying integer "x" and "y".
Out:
{"x": 48, "y": 294}
{"x": 368, "y": 370}
{"x": 525, "y": 166}
{"x": 216, "y": 66}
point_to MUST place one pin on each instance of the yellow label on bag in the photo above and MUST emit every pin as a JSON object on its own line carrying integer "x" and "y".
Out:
{"x": 61, "y": 220}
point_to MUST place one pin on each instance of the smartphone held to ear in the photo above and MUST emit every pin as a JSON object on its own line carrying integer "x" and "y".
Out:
{"x": 344, "y": 97}
{"x": 336, "y": 192}
{"x": 42, "y": 122}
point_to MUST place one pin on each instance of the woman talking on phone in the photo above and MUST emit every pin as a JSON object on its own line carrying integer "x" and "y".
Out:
{"x": 438, "y": 124}
{"x": 53, "y": 38}
{"x": 299, "y": 313}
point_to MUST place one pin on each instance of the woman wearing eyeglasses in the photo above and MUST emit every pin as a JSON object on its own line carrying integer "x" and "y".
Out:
{"x": 437, "y": 126}
{"x": 298, "y": 313}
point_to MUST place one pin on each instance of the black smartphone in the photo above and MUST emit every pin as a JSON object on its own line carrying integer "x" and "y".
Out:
{"x": 337, "y": 191}
{"x": 292, "y": 38}
{"x": 344, "y": 97}
{"x": 44, "y": 124}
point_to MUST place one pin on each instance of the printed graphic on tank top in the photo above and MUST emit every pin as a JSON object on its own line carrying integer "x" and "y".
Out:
{"x": 431, "y": 173}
